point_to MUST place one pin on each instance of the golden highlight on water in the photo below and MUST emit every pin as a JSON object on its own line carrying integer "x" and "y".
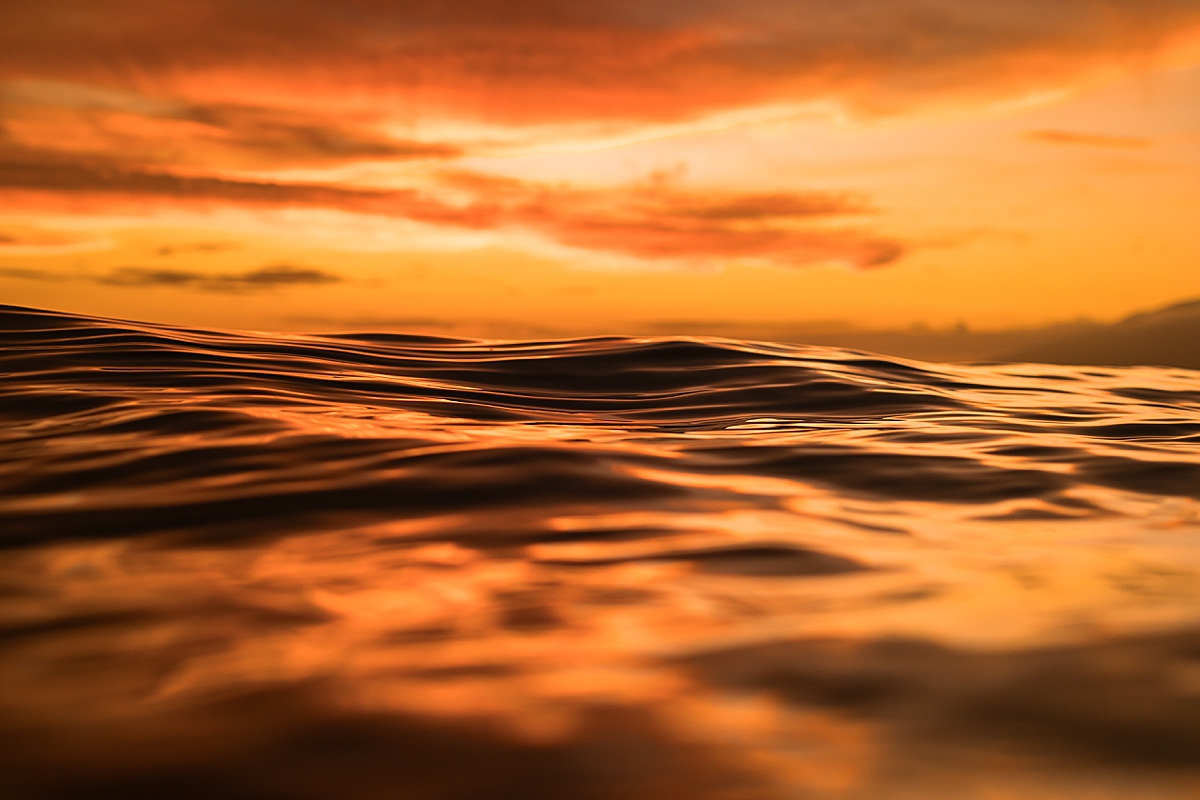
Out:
{"x": 377, "y": 567}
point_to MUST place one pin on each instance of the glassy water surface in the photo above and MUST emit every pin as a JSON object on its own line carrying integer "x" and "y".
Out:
{"x": 365, "y": 567}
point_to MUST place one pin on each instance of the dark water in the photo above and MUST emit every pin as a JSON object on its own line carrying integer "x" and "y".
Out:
{"x": 368, "y": 567}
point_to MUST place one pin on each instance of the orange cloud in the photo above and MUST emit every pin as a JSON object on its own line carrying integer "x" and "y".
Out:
{"x": 1089, "y": 139}
{"x": 536, "y": 61}
{"x": 26, "y": 240}
{"x": 653, "y": 221}
{"x": 656, "y": 220}
{"x": 146, "y": 101}
{"x": 82, "y": 120}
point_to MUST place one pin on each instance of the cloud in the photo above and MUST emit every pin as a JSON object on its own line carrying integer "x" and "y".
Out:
{"x": 197, "y": 247}
{"x": 35, "y": 92}
{"x": 271, "y": 277}
{"x": 37, "y": 173}
{"x": 654, "y": 221}
{"x": 135, "y": 105}
{"x": 28, "y": 274}
{"x": 352, "y": 63}
{"x": 275, "y": 276}
{"x": 27, "y": 240}
{"x": 1088, "y": 139}
{"x": 657, "y": 220}
{"x": 81, "y": 120}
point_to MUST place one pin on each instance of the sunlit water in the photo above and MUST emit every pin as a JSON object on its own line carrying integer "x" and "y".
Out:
{"x": 267, "y": 567}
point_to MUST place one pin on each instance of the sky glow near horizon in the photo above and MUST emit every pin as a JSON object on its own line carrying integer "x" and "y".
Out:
{"x": 549, "y": 167}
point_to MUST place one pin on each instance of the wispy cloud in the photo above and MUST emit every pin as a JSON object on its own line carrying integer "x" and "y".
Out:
{"x": 35, "y": 172}
{"x": 84, "y": 120}
{"x": 656, "y": 220}
{"x": 1087, "y": 139}
{"x": 659, "y": 220}
{"x": 30, "y": 274}
{"x": 275, "y": 276}
{"x": 271, "y": 277}
{"x": 26, "y": 240}
{"x": 196, "y": 247}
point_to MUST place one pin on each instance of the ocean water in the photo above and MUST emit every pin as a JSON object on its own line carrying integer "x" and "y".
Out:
{"x": 377, "y": 567}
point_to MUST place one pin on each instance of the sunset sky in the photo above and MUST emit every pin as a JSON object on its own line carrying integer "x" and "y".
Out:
{"x": 553, "y": 166}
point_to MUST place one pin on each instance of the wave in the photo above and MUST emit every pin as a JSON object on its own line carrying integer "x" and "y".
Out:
{"x": 599, "y": 567}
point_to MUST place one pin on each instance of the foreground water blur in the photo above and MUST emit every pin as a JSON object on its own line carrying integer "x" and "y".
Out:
{"x": 367, "y": 567}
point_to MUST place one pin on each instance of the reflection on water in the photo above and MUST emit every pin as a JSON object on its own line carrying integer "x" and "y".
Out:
{"x": 368, "y": 567}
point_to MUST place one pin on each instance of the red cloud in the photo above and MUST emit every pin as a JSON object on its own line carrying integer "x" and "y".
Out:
{"x": 535, "y": 61}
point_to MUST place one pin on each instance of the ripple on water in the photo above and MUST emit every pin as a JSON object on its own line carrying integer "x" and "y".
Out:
{"x": 374, "y": 565}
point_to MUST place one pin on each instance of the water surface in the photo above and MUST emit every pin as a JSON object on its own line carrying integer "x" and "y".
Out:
{"x": 374, "y": 566}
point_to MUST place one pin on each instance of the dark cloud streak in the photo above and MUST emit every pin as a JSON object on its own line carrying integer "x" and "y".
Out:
{"x": 1087, "y": 139}
{"x": 58, "y": 175}
{"x": 27, "y": 274}
{"x": 275, "y": 276}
